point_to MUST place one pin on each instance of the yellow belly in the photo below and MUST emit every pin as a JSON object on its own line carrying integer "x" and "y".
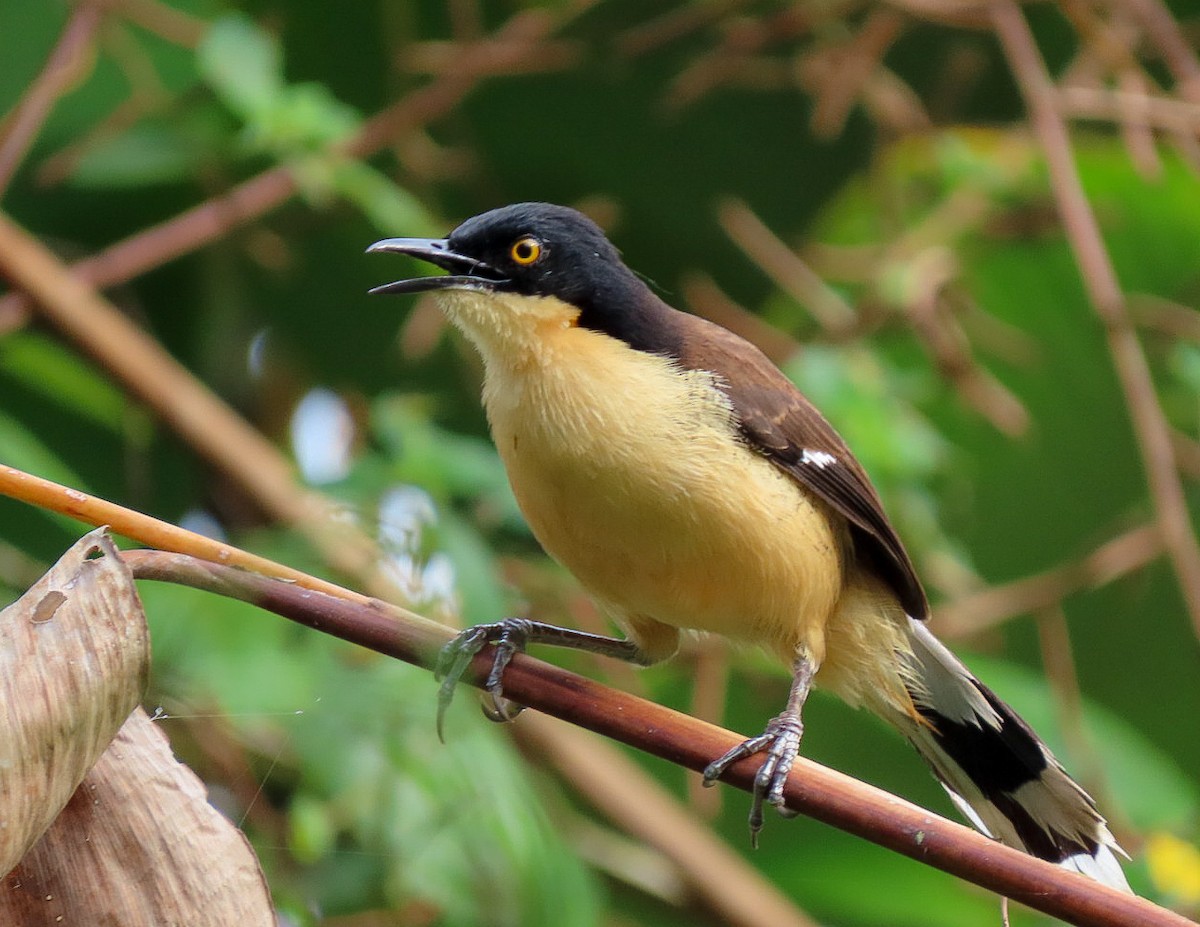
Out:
{"x": 631, "y": 475}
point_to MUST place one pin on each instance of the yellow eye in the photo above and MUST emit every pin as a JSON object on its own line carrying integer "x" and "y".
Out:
{"x": 525, "y": 250}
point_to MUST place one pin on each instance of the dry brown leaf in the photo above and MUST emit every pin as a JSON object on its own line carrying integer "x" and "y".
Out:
{"x": 138, "y": 845}
{"x": 74, "y": 653}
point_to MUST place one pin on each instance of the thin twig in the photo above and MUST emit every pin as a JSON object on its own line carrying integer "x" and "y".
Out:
{"x": 673, "y": 25}
{"x": 738, "y": 56}
{"x": 961, "y": 14}
{"x": 145, "y": 529}
{"x": 786, "y": 268}
{"x": 710, "y": 698}
{"x": 840, "y": 78}
{"x": 1163, "y": 113}
{"x": 1135, "y": 128}
{"x": 1166, "y": 317}
{"x": 1187, "y": 452}
{"x": 163, "y": 20}
{"x": 60, "y": 70}
{"x": 1177, "y": 52}
{"x": 931, "y": 274}
{"x": 813, "y": 790}
{"x": 1058, "y": 658}
{"x": 1113, "y": 559}
{"x": 250, "y": 200}
{"x": 1150, "y": 424}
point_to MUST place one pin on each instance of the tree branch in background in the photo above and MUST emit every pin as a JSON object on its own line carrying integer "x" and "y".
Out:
{"x": 1117, "y": 557}
{"x": 155, "y": 378}
{"x": 216, "y": 217}
{"x": 61, "y": 68}
{"x": 1176, "y": 51}
{"x": 1104, "y": 291}
{"x": 786, "y": 269}
{"x": 616, "y": 786}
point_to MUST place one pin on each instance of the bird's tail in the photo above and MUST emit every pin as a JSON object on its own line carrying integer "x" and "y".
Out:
{"x": 997, "y": 771}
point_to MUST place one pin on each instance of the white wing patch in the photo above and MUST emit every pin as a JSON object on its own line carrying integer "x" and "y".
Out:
{"x": 819, "y": 459}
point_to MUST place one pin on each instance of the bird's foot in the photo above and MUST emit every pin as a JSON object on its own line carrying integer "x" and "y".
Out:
{"x": 781, "y": 742}
{"x": 509, "y": 637}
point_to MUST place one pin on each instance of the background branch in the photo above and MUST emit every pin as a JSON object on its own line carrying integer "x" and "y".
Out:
{"x": 1104, "y": 290}
{"x": 62, "y": 67}
{"x": 251, "y": 199}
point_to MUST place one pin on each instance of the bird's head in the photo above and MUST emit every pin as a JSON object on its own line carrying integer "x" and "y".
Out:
{"x": 514, "y": 269}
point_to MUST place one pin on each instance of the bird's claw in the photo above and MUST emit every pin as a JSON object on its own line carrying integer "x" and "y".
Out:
{"x": 509, "y": 637}
{"x": 781, "y": 742}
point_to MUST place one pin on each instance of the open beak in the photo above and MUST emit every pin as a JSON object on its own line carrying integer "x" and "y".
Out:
{"x": 465, "y": 273}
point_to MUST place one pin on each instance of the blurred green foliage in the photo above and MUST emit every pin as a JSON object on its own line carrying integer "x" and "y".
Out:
{"x": 328, "y": 756}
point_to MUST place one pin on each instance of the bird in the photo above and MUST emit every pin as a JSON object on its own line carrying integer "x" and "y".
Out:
{"x": 689, "y": 486}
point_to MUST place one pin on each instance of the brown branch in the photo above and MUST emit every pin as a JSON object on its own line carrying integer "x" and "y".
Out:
{"x": 1167, "y": 317}
{"x": 1153, "y": 111}
{"x": 1187, "y": 452}
{"x": 1152, "y": 431}
{"x": 838, "y": 76}
{"x": 676, "y": 24}
{"x": 1115, "y": 558}
{"x": 961, "y": 14}
{"x": 1135, "y": 128}
{"x": 61, "y": 68}
{"x": 1054, "y": 640}
{"x": 786, "y": 268}
{"x": 813, "y": 790}
{"x": 738, "y": 56}
{"x": 710, "y": 698}
{"x": 92, "y": 510}
{"x": 163, "y": 20}
{"x": 1177, "y": 52}
{"x": 927, "y": 305}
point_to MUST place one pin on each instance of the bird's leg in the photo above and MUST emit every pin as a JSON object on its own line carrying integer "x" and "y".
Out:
{"x": 511, "y": 636}
{"x": 780, "y": 741}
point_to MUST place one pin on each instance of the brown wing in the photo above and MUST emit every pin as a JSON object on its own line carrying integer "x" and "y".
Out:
{"x": 778, "y": 422}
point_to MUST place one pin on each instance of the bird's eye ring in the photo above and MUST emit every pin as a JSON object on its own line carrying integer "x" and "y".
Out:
{"x": 525, "y": 250}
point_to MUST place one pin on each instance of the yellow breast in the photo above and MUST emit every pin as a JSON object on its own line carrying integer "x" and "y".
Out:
{"x": 630, "y": 473}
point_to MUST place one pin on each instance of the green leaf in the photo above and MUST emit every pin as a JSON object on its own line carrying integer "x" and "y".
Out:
{"x": 476, "y": 575}
{"x": 457, "y": 827}
{"x": 448, "y": 465}
{"x": 45, "y": 366}
{"x": 243, "y": 64}
{"x": 311, "y": 831}
{"x": 307, "y": 116}
{"x": 21, "y": 449}
{"x": 387, "y": 205}
{"x": 144, "y": 155}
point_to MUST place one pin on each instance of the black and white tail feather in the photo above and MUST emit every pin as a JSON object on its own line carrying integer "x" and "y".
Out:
{"x": 996, "y": 770}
